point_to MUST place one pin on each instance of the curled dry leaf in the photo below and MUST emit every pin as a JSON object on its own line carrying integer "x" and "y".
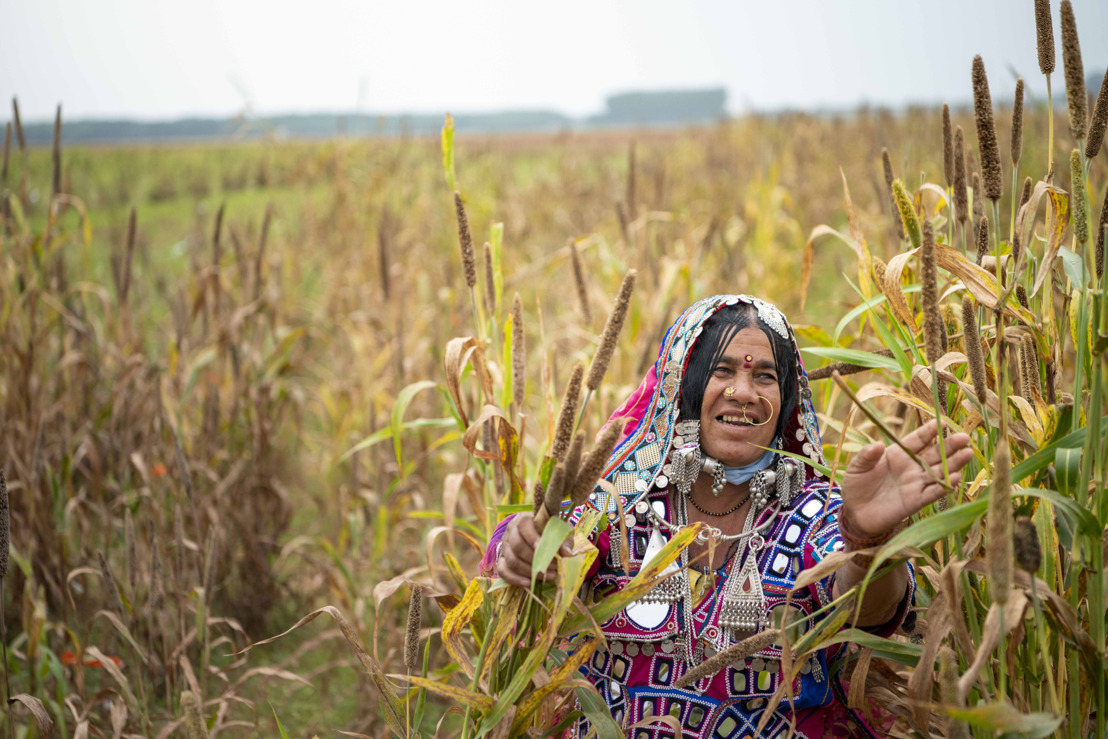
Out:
{"x": 43, "y": 720}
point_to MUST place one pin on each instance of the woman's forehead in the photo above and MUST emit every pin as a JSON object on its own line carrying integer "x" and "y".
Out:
{"x": 749, "y": 340}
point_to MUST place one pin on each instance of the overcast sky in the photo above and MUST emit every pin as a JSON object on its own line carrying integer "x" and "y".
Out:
{"x": 151, "y": 59}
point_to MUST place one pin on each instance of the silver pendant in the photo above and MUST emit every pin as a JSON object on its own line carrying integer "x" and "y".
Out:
{"x": 744, "y": 601}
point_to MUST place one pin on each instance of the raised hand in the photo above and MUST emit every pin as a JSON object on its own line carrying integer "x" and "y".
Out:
{"x": 884, "y": 486}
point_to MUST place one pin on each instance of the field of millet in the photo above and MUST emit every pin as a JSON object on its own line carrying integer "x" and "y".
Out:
{"x": 242, "y": 382}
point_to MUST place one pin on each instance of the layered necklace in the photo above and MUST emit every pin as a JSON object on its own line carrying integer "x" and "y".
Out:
{"x": 743, "y": 610}
{"x": 728, "y": 512}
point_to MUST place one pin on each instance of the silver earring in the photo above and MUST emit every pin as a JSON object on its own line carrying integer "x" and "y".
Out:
{"x": 761, "y": 486}
{"x": 719, "y": 477}
{"x": 790, "y": 480}
{"x": 687, "y": 460}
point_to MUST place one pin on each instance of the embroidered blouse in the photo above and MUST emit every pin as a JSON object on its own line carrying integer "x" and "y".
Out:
{"x": 635, "y": 675}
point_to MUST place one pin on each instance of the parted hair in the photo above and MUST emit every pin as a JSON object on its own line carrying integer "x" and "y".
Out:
{"x": 718, "y": 332}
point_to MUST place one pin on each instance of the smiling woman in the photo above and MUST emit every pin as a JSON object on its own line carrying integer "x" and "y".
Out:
{"x": 727, "y": 393}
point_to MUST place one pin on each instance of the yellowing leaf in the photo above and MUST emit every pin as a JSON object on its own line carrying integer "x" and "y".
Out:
{"x": 476, "y": 701}
{"x": 457, "y": 619}
{"x": 566, "y": 671}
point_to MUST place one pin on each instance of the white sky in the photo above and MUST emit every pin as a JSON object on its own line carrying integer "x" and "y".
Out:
{"x": 152, "y": 59}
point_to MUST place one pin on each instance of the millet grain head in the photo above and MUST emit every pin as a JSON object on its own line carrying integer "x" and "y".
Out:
{"x": 567, "y": 415}
{"x": 465, "y": 240}
{"x": 987, "y": 144}
{"x": 1099, "y": 121}
{"x": 610, "y": 336}
{"x": 1080, "y": 207}
{"x": 972, "y": 340}
{"x": 1016, "y": 148}
{"x": 1076, "y": 97}
{"x": 961, "y": 185}
{"x": 1044, "y": 36}
{"x": 948, "y": 147}
{"x": 998, "y": 526}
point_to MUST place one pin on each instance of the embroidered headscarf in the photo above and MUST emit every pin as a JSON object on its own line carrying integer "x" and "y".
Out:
{"x": 641, "y": 459}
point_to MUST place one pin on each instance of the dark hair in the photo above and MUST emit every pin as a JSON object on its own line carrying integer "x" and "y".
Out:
{"x": 718, "y": 332}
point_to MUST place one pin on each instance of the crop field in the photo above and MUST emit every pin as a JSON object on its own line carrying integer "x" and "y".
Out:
{"x": 253, "y": 386}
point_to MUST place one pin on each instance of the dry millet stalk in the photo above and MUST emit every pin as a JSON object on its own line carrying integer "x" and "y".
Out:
{"x": 411, "y": 635}
{"x": 5, "y": 526}
{"x": 982, "y": 238}
{"x": 465, "y": 239}
{"x": 978, "y": 203}
{"x": 7, "y": 153}
{"x": 595, "y": 461}
{"x": 948, "y": 147}
{"x": 887, "y": 166}
{"x": 949, "y": 693}
{"x": 844, "y": 368}
{"x": 128, "y": 257}
{"x": 157, "y": 589}
{"x": 1017, "y": 123}
{"x": 211, "y": 553}
{"x": 1025, "y": 542}
{"x": 1044, "y": 36}
{"x": 567, "y": 416}
{"x": 129, "y": 547}
{"x": 519, "y": 354}
{"x": 987, "y": 143}
{"x": 1074, "y": 70}
{"x": 1025, "y": 196}
{"x": 734, "y": 653}
{"x": 631, "y": 204}
{"x": 612, "y": 328}
{"x": 929, "y": 277}
{"x": 579, "y": 278}
{"x": 490, "y": 281}
{"x": 998, "y": 554}
{"x": 624, "y": 222}
{"x": 56, "y": 187}
{"x": 179, "y": 534}
{"x": 194, "y": 721}
{"x": 18, "y": 125}
{"x": 1099, "y": 121}
{"x": 1080, "y": 209}
{"x": 907, "y": 214}
{"x": 1100, "y": 228}
{"x": 972, "y": 340}
{"x": 961, "y": 187}
{"x": 109, "y": 583}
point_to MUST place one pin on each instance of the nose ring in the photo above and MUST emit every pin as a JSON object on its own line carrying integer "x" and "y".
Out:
{"x": 729, "y": 392}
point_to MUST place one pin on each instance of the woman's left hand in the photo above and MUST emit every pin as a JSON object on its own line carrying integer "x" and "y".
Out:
{"x": 883, "y": 485}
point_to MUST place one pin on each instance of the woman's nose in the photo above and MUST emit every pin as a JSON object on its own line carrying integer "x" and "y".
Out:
{"x": 744, "y": 387}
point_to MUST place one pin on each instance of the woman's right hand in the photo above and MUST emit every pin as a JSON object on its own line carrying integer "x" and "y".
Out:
{"x": 517, "y": 551}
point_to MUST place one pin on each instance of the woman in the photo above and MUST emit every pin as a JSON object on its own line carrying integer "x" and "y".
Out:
{"x": 727, "y": 389}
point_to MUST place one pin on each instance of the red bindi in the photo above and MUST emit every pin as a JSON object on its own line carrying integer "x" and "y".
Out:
{"x": 749, "y": 362}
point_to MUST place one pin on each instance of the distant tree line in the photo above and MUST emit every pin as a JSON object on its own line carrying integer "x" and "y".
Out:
{"x": 679, "y": 107}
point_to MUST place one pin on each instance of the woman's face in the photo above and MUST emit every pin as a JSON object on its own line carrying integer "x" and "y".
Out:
{"x": 726, "y": 433}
